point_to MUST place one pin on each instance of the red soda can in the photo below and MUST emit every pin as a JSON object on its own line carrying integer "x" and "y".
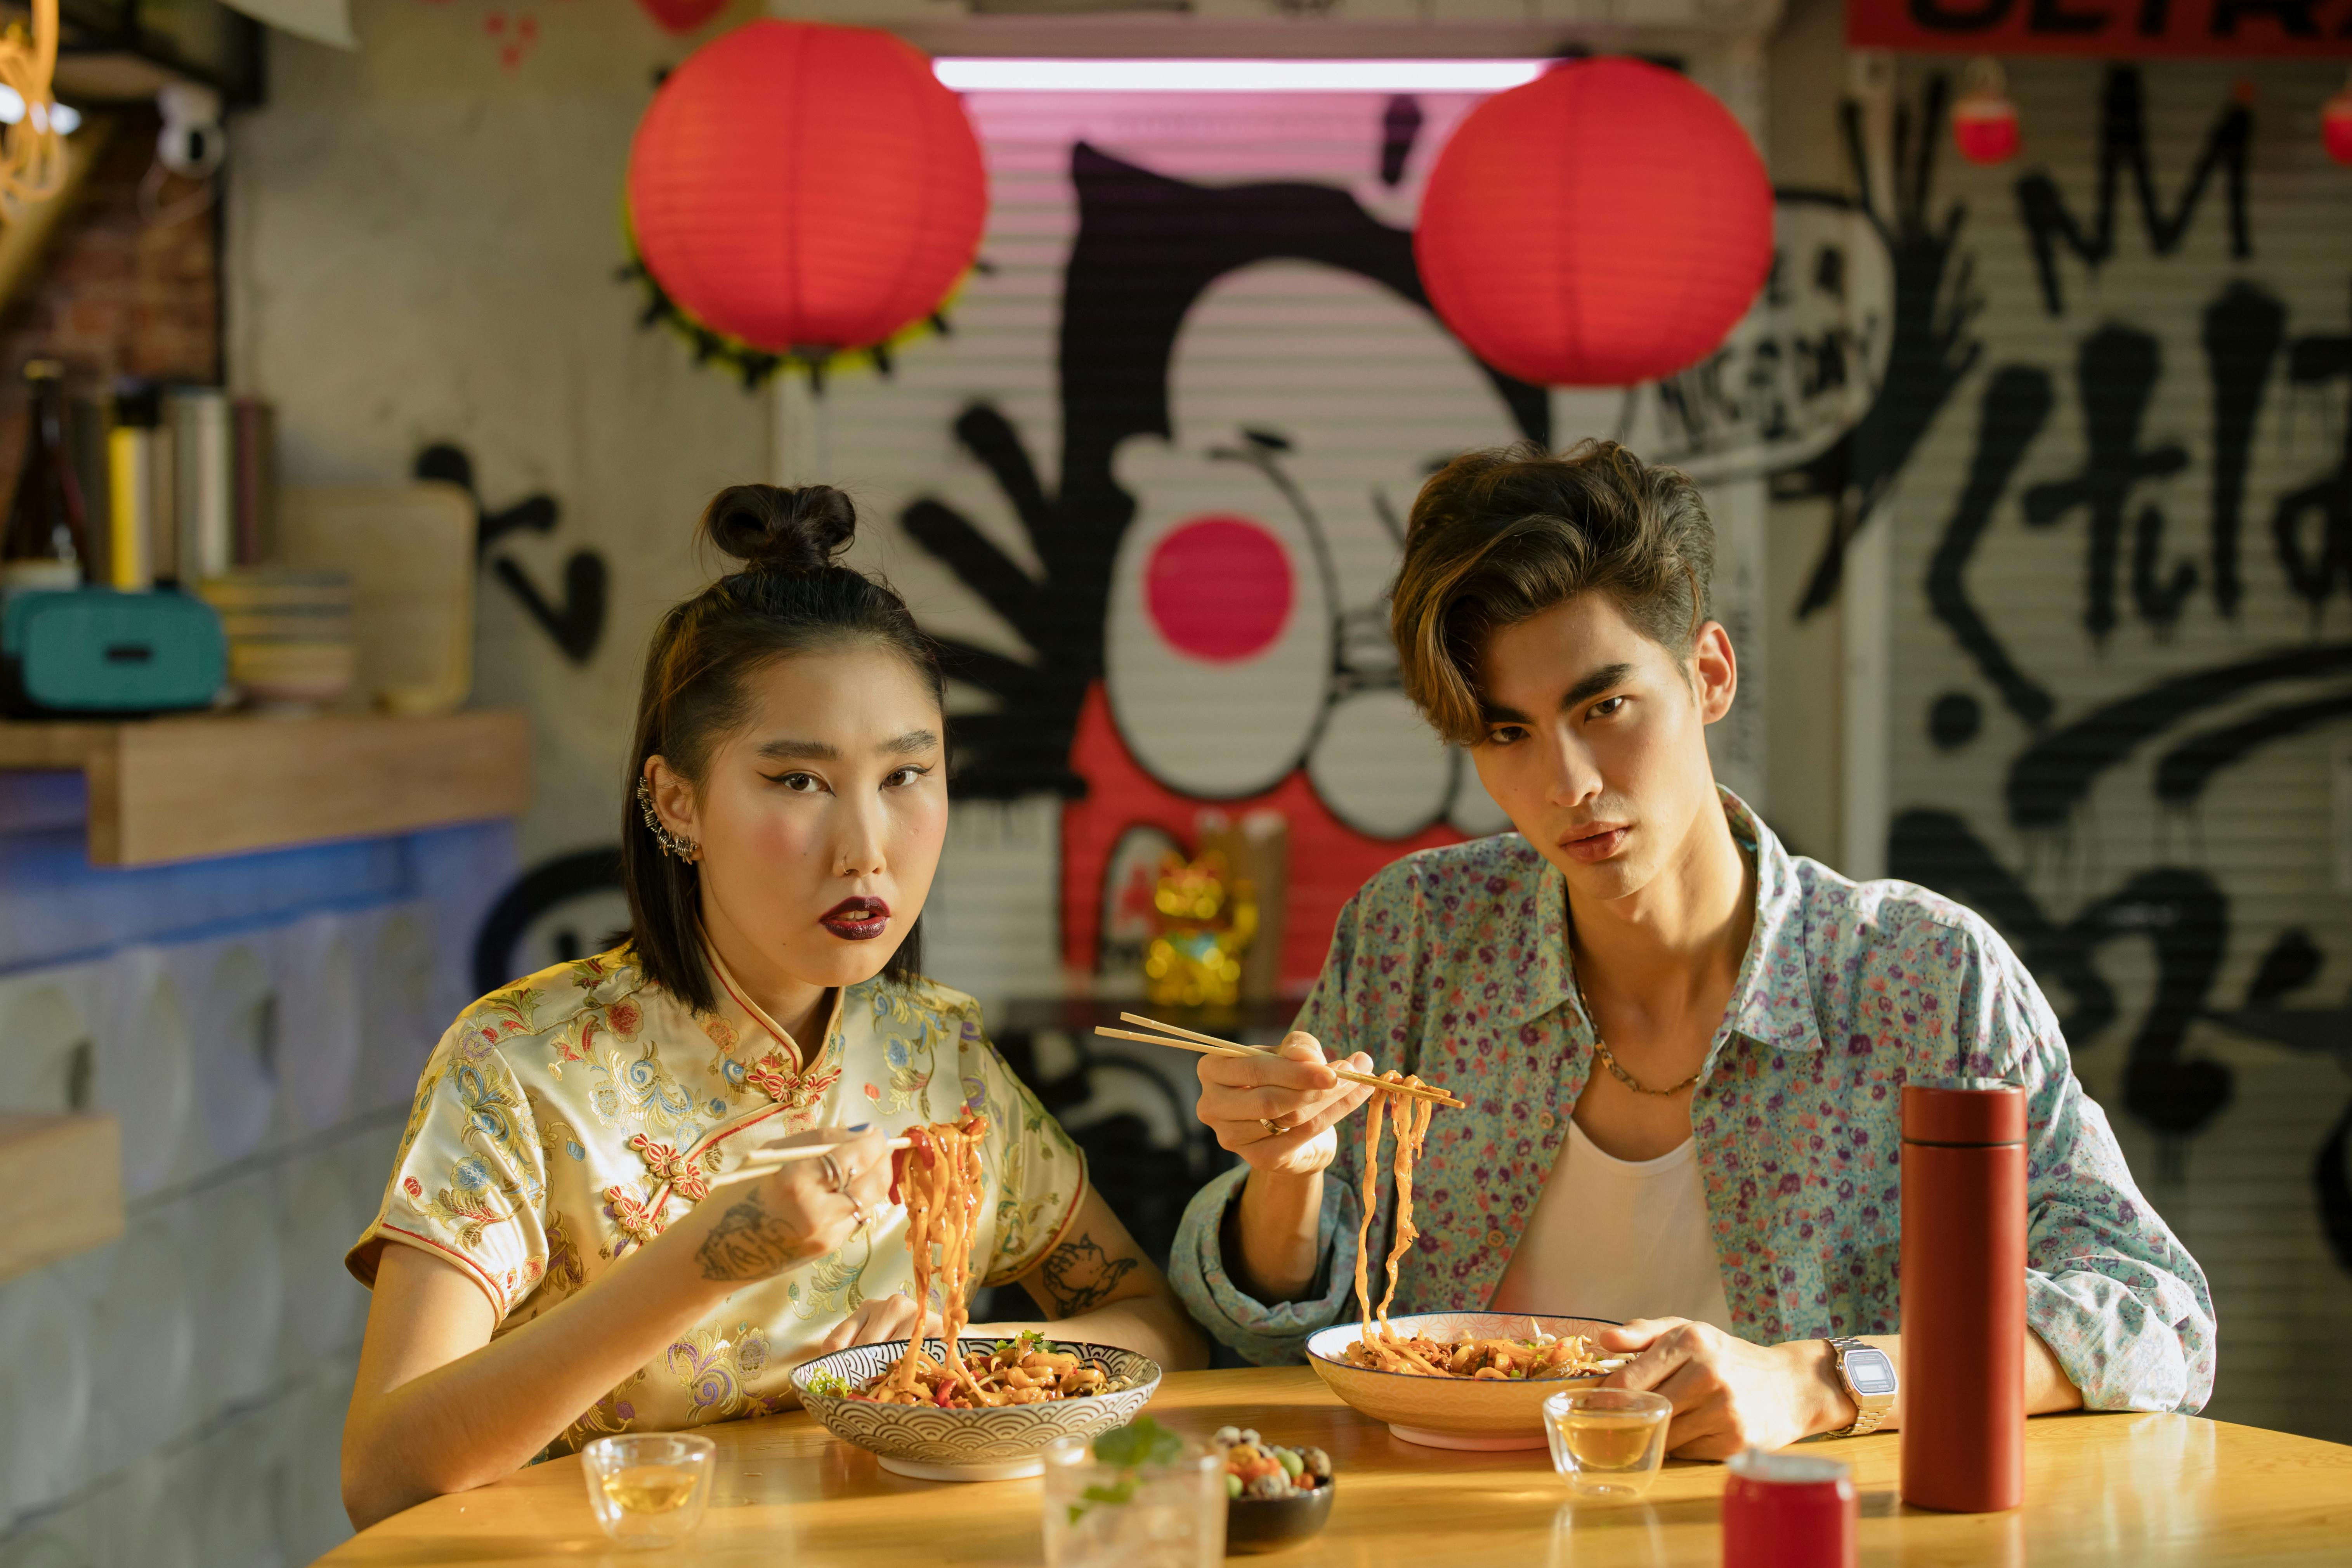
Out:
{"x": 1788, "y": 1511}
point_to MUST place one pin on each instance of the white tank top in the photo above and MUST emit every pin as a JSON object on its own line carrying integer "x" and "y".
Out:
{"x": 1617, "y": 1239}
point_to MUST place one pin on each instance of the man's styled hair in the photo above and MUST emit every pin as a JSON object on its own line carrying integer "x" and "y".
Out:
{"x": 1501, "y": 535}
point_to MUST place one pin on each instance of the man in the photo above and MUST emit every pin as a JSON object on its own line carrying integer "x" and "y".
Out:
{"x": 1683, "y": 1050}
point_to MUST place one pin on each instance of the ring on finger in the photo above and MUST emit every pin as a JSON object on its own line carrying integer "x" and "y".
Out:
{"x": 856, "y": 1210}
{"x": 1275, "y": 1128}
{"x": 834, "y": 1178}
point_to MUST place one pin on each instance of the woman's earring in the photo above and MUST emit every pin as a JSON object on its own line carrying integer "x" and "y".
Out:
{"x": 676, "y": 844}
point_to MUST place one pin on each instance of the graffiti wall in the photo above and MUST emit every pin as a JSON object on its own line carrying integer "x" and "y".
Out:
{"x": 1151, "y": 488}
{"x": 2121, "y": 585}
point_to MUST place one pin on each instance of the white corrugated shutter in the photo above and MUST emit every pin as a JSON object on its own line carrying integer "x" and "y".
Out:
{"x": 2201, "y": 818}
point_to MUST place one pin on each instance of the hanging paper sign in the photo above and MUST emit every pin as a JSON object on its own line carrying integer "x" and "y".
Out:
{"x": 2113, "y": 29}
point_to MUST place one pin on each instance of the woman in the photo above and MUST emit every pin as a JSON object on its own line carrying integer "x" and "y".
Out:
{"x": 1682, "y": 1047}
{"x": 788, "y": 802}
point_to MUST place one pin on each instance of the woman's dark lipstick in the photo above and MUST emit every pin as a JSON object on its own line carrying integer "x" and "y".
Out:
{"x": 856, "y": 920}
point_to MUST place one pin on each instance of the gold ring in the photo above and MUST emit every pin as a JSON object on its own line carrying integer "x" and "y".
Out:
{"x": 1274, "y": 1129}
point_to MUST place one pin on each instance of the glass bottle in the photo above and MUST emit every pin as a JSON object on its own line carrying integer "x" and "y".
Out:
{"x": 45, "y": 545}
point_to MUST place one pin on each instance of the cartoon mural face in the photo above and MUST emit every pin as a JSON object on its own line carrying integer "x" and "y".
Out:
{"x": 1247, "y": 633}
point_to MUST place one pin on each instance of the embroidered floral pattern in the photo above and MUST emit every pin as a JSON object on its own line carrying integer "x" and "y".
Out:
{"x": 715, "y": 1372}
{"x": 640, "y": 1092}
{"x": 556, "y": 1112}
{"x": 1452, "y": 963}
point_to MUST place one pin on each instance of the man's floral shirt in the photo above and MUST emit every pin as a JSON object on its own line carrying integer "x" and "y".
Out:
{"x": 1454, "y": 963}
{"x": 570, "y": 1117}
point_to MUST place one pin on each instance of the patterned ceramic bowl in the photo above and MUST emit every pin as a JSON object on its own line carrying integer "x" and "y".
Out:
{"x": 935, "y": 1444}
{"x": 1449, "y": 1412}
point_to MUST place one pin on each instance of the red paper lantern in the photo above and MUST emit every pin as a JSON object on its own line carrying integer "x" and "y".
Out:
{"x": 1605, "y": 224}
{"x": 1984, "y": 120}
{"x": 681, "y": 16}
{"x": 806, "y": 189}
{"x": 1984, "y": 128}
{"x": 2336, "y": 125}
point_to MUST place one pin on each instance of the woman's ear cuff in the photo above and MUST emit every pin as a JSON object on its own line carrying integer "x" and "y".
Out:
{"x": 676, "y": 844}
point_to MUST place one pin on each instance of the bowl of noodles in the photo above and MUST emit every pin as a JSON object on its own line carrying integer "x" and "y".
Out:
{"x": 989, "y": 1422}
{"x": 1461, "y": 1380}
{"x": 958, "y": 1408}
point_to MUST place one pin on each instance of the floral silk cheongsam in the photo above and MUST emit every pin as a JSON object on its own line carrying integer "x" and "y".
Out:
{"x": 567, "y": 1119}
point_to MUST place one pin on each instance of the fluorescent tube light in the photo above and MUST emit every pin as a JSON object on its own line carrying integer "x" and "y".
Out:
{"x": 972, "y": 74}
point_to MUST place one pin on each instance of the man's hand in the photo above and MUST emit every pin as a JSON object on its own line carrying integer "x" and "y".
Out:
{"x": 1729, "y": 1394}
{"x": 1296, "y": 1090}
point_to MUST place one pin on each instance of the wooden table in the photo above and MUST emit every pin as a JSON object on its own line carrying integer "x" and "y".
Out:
{"x": 2138, "y": 1489}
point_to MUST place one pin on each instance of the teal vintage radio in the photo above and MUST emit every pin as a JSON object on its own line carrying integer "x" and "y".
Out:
{"x": 92, "y": 652}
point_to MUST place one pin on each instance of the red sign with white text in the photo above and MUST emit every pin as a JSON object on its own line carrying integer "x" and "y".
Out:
{"x": 2117, "y": 29}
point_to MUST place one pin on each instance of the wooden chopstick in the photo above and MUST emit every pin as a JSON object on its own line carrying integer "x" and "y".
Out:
{"x": 762, "y": 1162}
{"x": 1209, "y": 1044}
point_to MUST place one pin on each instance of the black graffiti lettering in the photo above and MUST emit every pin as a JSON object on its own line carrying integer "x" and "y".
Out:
{"x": 2331, "y": 1175}
{"x": 1931, "y": 350}
{"x": 577, "y": 624}
{"x": 2122, "y": 142}
{"x": 2293, "y": 962}
{"x": 546, "y": 886}
{"x": 2116, "y": 373}
{"x": 1400, "y": 124}
{"x": 2242, "y": 335}
{"x": 2183, "y": 914}
{"x": 2051, "y": 777}
{"x": 2182, "y": 774}
{"x": 2016, "y": 404}
{"x": 2294, "y": 16}
{"x": 1944, "y": 18}
{"x": 2313, "y": 572}
{"x": 2052, "y": 17}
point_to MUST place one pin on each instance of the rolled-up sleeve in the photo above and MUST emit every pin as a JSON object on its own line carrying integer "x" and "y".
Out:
{"x": 2108, "y": 1288}
{"x": 1267, "y": 1335}
{"x": 1275, "y": 1334}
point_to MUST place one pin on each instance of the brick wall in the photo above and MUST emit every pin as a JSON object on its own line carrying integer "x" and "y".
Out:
{"x": 115, "y": 295}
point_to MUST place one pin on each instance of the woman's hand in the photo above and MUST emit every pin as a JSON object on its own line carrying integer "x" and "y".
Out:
{"x": 1729, "y": 1394}
{"x": 1295, "y": 1091}
{"x": 799, "y": 1211}
{"x": 877, "y": 1319}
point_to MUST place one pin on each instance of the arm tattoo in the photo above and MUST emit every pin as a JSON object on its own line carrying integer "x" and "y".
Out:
{"x": 747, "y": 1243}
{"x": 1080, "y": 1278}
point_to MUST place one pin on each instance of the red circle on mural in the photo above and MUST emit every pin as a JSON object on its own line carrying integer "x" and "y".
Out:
{"x": 1218, "y": 588}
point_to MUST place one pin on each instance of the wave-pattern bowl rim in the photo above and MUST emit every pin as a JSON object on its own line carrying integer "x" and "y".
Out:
{"x": 1000, "y": 1443}
{"x": 1444, "y": 1412}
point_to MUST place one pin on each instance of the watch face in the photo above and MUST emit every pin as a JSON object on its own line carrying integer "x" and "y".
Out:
{"x": 1869, "y": 1370}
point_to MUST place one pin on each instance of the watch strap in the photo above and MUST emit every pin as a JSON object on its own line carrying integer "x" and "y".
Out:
{"x": 1867, "y": 1417}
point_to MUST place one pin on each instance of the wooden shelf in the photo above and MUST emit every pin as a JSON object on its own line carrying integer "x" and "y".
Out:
{"x": 64, "y": 1178}
{"x": 189, "y": 788}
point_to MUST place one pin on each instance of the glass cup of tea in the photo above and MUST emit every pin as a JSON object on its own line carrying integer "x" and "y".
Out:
{"x": 1608, "y": 1442}
{"x": 649, "y": 1488}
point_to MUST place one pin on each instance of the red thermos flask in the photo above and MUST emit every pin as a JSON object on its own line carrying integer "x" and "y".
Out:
{"x": 1964, "y": 1298}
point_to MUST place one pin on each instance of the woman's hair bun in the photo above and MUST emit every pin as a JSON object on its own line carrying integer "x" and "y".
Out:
{"x": 771, "y": 529}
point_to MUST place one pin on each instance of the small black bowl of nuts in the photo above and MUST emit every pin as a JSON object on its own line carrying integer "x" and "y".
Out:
{"x": 1275, "y": 1495}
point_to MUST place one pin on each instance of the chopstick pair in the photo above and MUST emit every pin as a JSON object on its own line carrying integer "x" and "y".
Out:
{"x": 764, "y": 1160}
{"x": 1209, "y": 1046}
